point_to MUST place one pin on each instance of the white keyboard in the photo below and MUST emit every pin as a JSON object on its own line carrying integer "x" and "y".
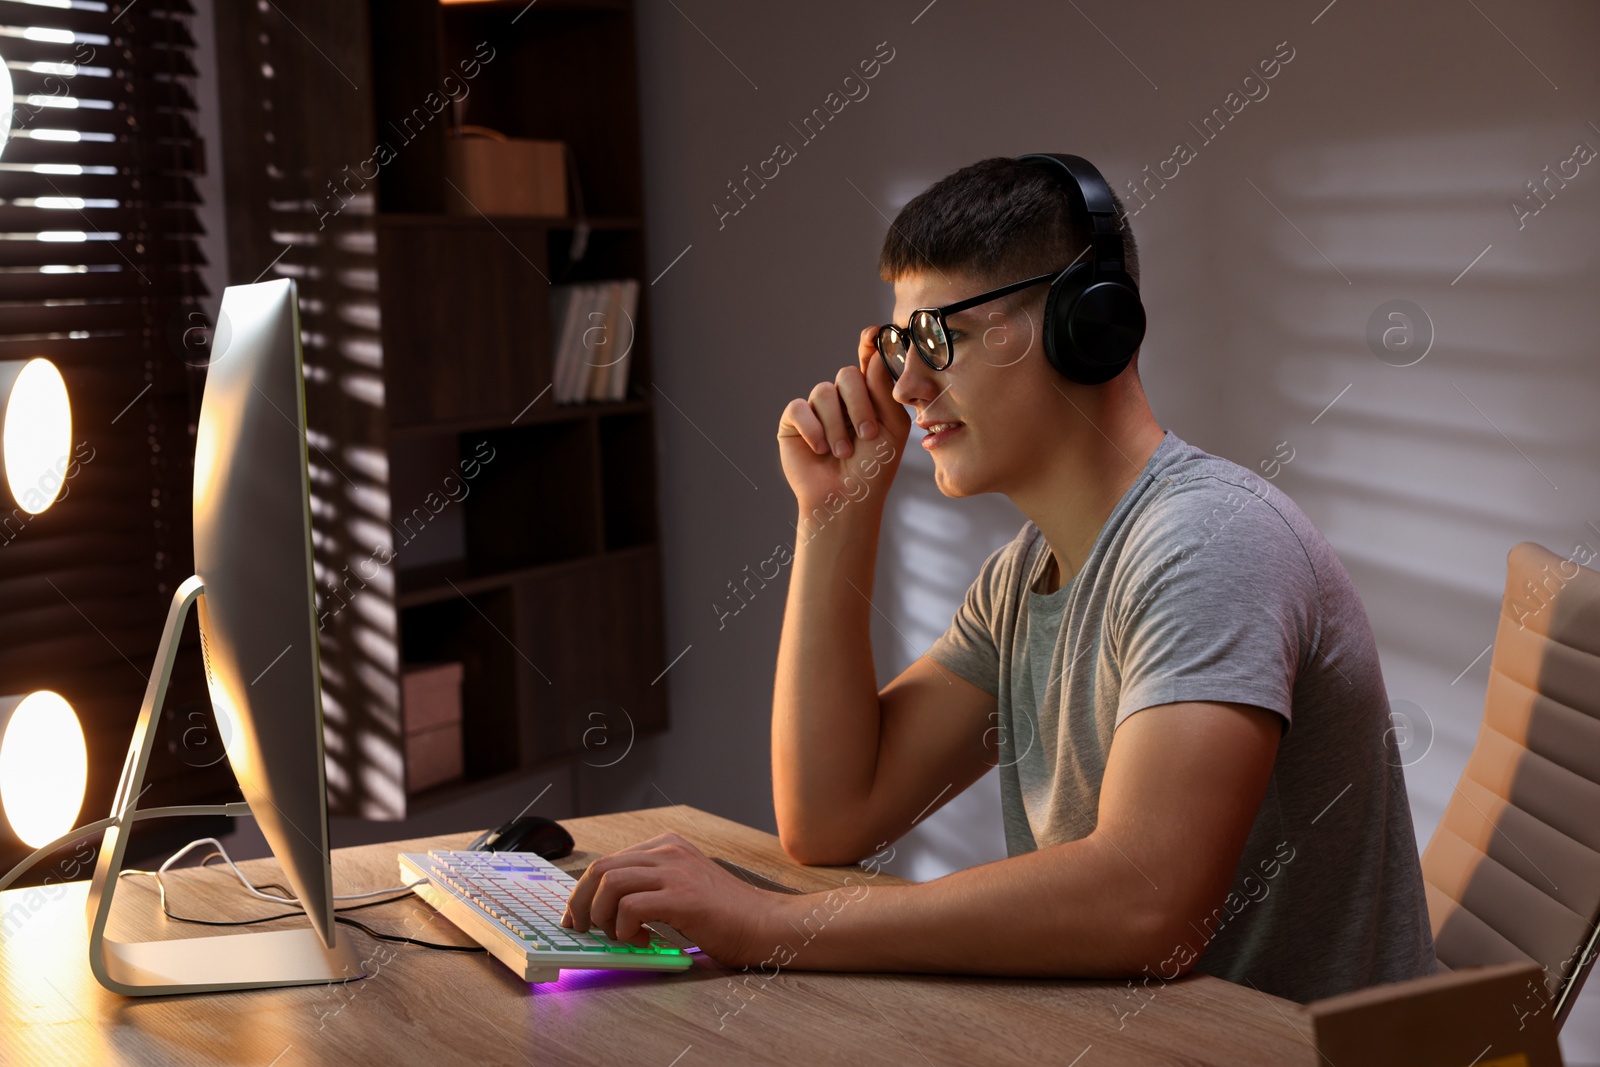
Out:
{"x": 511, "y": 903}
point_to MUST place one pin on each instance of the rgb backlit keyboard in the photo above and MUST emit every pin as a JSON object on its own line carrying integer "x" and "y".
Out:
{"x": 511, "y": 903}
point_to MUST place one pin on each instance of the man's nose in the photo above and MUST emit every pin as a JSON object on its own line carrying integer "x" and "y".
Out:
{"x": 915, "y": 382}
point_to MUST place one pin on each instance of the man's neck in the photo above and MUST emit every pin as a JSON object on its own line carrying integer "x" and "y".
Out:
{"x": 1074, "y": 492}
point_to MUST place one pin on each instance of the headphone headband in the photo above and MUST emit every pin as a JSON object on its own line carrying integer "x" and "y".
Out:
{"x": 1088, "y": 187}
{"x": 1094, "y": 319}
{"x": 1091, "y": 195}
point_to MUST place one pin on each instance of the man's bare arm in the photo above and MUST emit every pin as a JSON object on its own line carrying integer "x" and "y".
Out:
{"x": 825, "y": 714}
{"x": 1182, "y": 787}
{"x": 851, "y": 768}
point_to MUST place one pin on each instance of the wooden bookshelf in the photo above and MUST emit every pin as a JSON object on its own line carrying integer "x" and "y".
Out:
{"x": 553, "y": 604}
{"x": 540, "y": 570}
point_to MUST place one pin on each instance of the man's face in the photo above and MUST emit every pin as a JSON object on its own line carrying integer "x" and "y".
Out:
{"x": 1000, "y": 387}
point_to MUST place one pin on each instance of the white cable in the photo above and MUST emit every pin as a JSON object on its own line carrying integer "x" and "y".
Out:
{"x": 249, "y": 886}
{"x": 138, "y": 815}
{"x": 89, "y": 830}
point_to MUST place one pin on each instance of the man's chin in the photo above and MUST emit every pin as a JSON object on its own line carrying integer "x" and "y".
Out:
{"x": 952, "y": 484}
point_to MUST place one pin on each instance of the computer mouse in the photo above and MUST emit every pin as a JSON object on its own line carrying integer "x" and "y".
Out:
{"x": 529, "y": 833}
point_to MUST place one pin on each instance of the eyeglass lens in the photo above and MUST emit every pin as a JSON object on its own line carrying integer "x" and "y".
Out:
{"x": 929, "y": 336}
{"x": 892, "y": 343}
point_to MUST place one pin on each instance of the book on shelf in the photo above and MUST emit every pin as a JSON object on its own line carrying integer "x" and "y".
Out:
{"x": 563, "y": 321}
{"x": 593, "y": 329}
{"x": 600, "y": 347}
{"x": 627, "y": 334}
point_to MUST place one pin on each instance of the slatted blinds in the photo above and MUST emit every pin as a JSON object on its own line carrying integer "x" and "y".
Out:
{"x": 98, "y": 260}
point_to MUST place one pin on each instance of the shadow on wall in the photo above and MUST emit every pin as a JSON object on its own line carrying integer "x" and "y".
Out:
{"x": 293, "y": 214}
{"x": 1395, "y": 418}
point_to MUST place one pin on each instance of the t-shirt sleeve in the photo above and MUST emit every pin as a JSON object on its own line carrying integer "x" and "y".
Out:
{"x": 1219, "y": 602}
{"x": 969, "y": 647}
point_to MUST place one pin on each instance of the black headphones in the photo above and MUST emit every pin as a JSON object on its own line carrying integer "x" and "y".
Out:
{"x": 1093, "y": 318}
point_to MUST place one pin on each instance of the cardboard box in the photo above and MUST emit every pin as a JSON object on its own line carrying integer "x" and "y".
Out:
{"x": 505, "y": 177}
{"x": 430, "y": 696}
{"x": 430, "y": 707}
{"x": 433, "y": 757}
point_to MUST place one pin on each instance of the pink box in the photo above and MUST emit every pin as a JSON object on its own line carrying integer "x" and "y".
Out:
{"x": 430, "y": 696}
{"x": 433, "y": 756}
{"x": 430, "y": 705}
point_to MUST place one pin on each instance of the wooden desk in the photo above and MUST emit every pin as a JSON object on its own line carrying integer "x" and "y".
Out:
{"x": 443, "y": 1008}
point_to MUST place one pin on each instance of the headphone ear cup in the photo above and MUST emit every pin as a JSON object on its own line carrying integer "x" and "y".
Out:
{"x": 1091, "y": 331}
{"x": 1058, "y": 347}
{"x": 1107, "y": 326}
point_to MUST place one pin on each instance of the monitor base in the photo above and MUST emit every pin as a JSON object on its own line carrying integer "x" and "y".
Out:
{"x": 231, "y": 961}
{"x": 264, "y": 959}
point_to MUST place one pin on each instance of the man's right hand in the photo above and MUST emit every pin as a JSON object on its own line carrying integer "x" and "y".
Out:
{"x": 834, "y": 441}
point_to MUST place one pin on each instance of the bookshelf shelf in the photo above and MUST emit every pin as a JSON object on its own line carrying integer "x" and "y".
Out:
{"x": 548, "y": 584}
{"x": 420, "y": 586}
{"x": 545, "y": 7}
{"x": 525, "y": 536}
{"x": 544, "y": 410}
{"x": 432, "y": 220}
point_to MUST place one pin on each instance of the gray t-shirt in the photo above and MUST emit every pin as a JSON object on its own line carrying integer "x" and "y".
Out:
{"x": 1207, "y": 583}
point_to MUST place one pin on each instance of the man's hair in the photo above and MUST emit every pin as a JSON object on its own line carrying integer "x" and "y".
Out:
{"x": 998, "y": 218}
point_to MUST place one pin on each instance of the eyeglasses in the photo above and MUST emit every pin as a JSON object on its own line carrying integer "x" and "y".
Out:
{"x": 928, "y": 333}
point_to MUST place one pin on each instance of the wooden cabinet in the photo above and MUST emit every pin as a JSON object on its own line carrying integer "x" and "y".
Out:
{"x": 460, "y": 514}
{"x": 466, "y": 318}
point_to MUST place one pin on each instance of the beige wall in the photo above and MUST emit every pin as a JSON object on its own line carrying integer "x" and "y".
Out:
{"x": 1382, "y": 160}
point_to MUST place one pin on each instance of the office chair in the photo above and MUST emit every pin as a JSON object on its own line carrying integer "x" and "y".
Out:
{"x": 1513, "y": 871}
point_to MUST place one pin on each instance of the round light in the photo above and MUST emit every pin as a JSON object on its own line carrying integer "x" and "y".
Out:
{"x": 36, "y": 434}
{"x": 43, "y": 766}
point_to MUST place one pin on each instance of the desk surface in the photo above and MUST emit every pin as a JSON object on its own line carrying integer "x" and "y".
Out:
{"x": 442, "y": 1008}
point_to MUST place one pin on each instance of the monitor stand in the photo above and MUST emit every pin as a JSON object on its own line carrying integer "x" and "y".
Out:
{"x": 196, "y": 964}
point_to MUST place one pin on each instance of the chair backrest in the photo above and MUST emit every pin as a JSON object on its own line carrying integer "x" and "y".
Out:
{"x": 1513, "y": 871}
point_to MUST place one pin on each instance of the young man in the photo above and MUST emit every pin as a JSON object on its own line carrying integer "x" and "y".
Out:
{"x": 1168, "y": 663}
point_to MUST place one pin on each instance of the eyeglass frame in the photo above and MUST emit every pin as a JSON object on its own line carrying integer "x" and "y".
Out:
{"x": 939, "y": 313}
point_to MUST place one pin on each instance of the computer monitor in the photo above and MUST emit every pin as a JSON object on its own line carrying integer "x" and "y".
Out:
{"x": 252, "y": 552}
{"x": 254, "y": 590}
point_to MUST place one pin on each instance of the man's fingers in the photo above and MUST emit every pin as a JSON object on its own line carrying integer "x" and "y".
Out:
{"x": 867, "y": 350}
{"x": 642, "y": 855}
{"x": 636, "y": 909}
{"x": 577, "y": 913}
{"x": 800, "y": 421}
{"x": 880, "y": 383}
{"x": 859, "y": 402}
{"x": 858, "y": 405}
{"x": 826, "y": 403}
{"x": 614, "y": 889}
{"x": 580, "y": 903}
